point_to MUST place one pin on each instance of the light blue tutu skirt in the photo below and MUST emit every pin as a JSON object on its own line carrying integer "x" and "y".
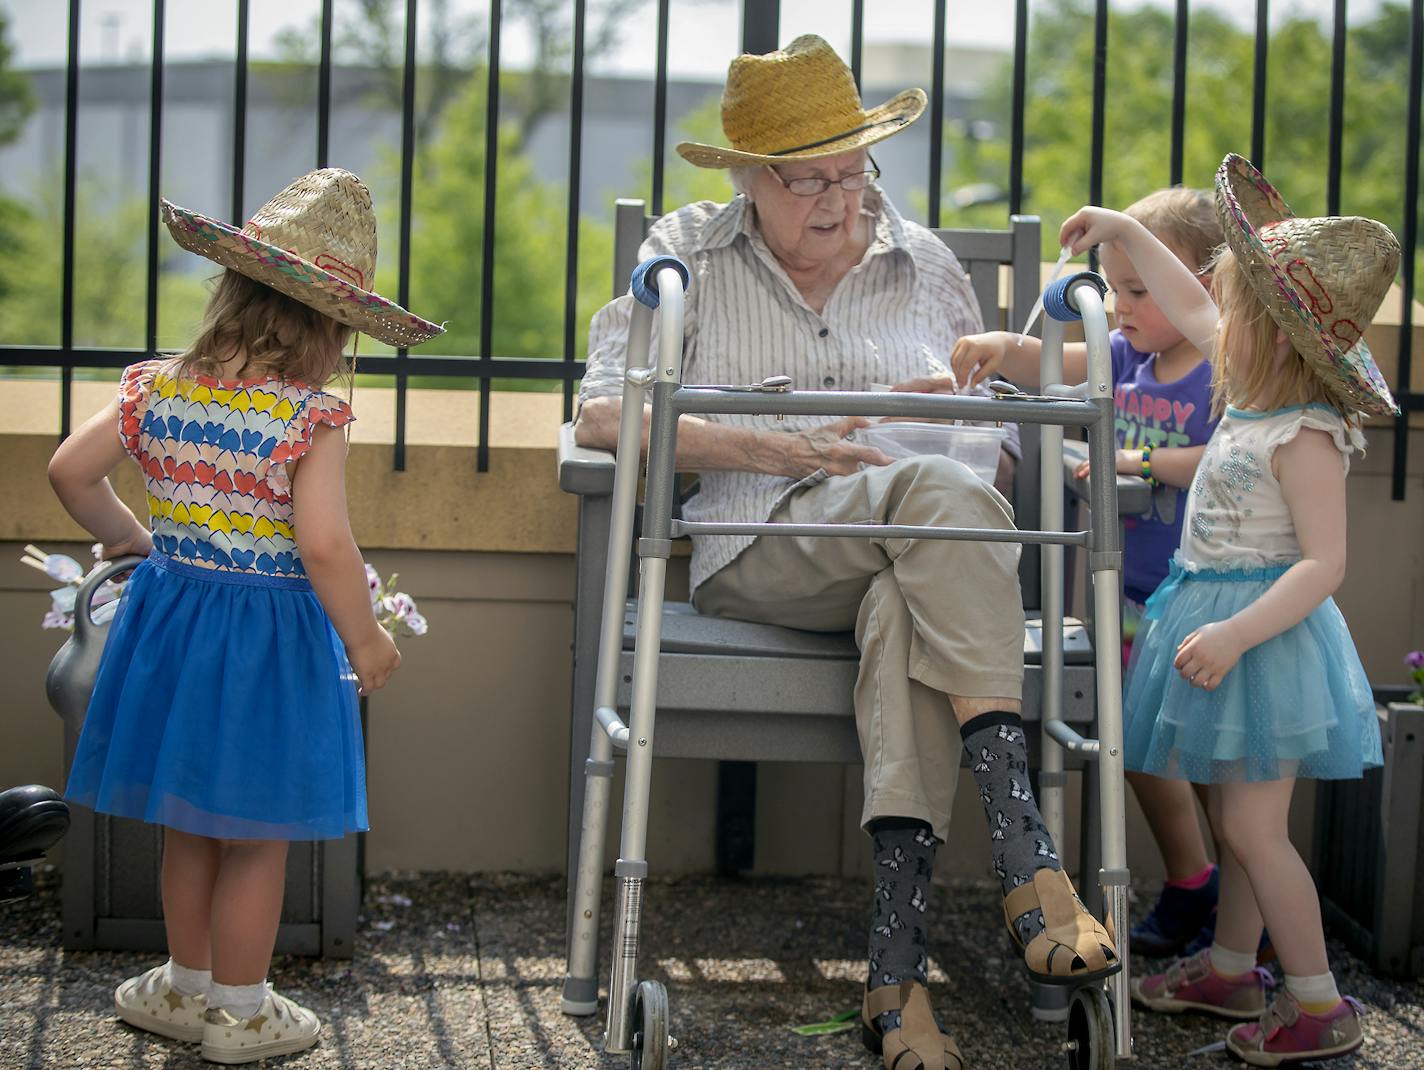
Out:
{"x": 225, "y": 707}
{"x": 1298, "y": 705}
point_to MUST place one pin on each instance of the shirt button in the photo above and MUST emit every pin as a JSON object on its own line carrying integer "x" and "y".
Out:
{"x": 824, "y": 331}
{"x": 829, "y": 380}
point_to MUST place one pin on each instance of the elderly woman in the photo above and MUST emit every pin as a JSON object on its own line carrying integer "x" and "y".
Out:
{"x": 810, "y": 272}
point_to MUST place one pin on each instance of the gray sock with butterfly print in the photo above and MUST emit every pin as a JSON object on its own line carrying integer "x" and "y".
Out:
{"x": 1018, "y": 840}
{"x": 904, "y": 863}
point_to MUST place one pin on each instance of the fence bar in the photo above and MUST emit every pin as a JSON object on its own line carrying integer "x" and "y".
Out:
{"x": 660, "y": 79}
{"x": 761, "y": 24}
{"x": 407, "y": 187}
{"x": 487, "y": 253}
{"x": 379, "y": 364}
{"x": 1179, "y": 91}
{"x": 1100, "y": 93}
{"x": 239, "y": 112}
{"x": 857, "y": 38}
{"x": 1258, "y": 86}
{"x": 1337, "y": 112}
{"x": 155, "y": 177}
{"x": 323, "y": 87}
{"x": 71, "y": 171}
{"x": 936, "y": 112}
{"x": 571, "y": 247}
{"x": 1016, "y": 120}
{"x": 1407, "y": 399}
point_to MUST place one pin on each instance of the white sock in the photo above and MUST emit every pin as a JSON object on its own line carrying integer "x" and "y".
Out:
{"x": 1316, "y": 991}
{"x": 187, "y": 981}
{"x": 239, "y": 1000}
{"x": 1230, "y": 963}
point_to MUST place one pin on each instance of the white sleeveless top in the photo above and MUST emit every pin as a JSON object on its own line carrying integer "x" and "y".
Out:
{"x": 1236, "y": 514}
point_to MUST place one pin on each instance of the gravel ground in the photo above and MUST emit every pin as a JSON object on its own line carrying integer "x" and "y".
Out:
{"x": 458, "y": 971}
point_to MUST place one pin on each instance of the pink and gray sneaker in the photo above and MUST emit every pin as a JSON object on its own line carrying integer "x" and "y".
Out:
{"x": 1288, "y": 1034}
{"x": 1192, "y": 985}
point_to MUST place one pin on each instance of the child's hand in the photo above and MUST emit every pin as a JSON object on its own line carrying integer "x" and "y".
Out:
{"x": 374, "y": 661}
{"x": 1208, "y": 654}
{"x": 977, "y": 357}
{"x": 1129, "y": 463}
{"x": 140, "y": 543}
{"x": 1090, "y": 226}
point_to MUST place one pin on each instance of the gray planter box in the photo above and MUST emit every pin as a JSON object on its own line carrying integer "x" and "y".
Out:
{"x": 1369, "y": 860}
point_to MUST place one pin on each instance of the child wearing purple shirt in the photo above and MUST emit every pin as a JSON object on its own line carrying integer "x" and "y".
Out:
{"x": 1162, "y": 395}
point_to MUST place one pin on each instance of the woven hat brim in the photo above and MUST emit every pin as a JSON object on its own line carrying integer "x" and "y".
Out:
{"x": 880, "y": 122}
{"x": 1247, "y": 204}
{"x": 298, "y": 278}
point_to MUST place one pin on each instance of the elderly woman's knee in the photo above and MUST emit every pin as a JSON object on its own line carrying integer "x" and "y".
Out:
{"x": 955, "y": 484}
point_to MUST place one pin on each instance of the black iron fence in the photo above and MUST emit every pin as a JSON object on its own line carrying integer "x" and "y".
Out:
{"x": 762, "y": 30}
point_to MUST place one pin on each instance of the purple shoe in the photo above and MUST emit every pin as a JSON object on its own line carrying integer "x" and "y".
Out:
{"x": 1192, "y": 985}
{"x": 1288, "y": 1034}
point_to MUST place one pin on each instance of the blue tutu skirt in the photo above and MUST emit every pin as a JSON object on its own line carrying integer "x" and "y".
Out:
{"x": 225, "y": 707}
{"x": 1297, "y": 705}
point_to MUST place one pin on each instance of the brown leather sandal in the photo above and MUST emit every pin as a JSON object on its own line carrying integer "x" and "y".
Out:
{"x": 1073, "y": 947}
{"x": 917, "y": 1044}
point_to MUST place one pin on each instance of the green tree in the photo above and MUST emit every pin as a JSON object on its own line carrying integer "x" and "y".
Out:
{"x": 17, "y": 100}
{"x": 1218, "y": 113}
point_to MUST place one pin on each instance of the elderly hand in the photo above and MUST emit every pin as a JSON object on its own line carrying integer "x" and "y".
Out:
{"x": 825, "y": 447}
{"x": 928, "y": 384}
{"x": 1208, "y": 654}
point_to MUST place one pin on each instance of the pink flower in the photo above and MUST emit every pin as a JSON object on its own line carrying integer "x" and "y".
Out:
{"x": 373, "y": 581}
{"x": 1414, "y": 659}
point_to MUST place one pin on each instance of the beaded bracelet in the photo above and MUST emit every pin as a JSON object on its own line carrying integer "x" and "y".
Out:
{"x": 1147, "y": 467}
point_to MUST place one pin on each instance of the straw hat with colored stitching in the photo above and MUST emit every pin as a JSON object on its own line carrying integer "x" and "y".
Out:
{"x": 315, "y": 242}
{"x": 1322, "y": 279}
{"x": 798, "y": 104}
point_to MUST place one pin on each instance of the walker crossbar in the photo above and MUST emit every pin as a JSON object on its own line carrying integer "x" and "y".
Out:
{"x": 1028, "y": 409}
{"x": 882, "y": 531}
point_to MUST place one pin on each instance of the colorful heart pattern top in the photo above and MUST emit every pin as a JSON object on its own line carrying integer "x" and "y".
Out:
{"x": 214, "y": 454}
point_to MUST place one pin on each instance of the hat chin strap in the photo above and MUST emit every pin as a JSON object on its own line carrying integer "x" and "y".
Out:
{"x": 898, "y": 121}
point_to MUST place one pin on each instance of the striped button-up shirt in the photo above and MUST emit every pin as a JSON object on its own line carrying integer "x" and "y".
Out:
{"x": 895, "y": 316}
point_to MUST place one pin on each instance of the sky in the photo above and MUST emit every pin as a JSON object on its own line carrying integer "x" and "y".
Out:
{"x": 703, "y": 34}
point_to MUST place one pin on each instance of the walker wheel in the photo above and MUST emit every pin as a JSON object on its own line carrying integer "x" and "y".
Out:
{"x": 1091, "y": 1043}
{"x": 651, "y": 1042}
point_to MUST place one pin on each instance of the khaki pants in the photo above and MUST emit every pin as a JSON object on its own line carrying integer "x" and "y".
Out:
{"x": 932, "y": 617}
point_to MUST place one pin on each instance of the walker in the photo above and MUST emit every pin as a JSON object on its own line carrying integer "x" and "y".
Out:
{"x": 1098, "y": 1016}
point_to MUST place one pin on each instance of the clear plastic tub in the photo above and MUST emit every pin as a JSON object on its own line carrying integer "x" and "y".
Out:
{"x": 976, "y": 447}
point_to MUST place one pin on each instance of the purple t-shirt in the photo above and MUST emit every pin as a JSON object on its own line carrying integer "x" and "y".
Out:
{"x": 1156, "y": 414}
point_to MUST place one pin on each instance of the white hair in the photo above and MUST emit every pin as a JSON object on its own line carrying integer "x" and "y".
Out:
{"x": 741, "y": 178}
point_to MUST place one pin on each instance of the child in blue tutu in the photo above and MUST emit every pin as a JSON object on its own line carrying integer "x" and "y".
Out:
{"x": 1244, "y": 676}
{"x": 225, "y": 707}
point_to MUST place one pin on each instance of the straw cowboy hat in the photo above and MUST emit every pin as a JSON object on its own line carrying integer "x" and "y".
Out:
{"x": 315, "y": 242}
{"x": 798, "y": 104}
{"x": 1322, "y": 279}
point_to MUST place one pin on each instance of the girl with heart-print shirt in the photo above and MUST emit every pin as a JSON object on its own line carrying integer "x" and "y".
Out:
{"x": 225, "y": 707}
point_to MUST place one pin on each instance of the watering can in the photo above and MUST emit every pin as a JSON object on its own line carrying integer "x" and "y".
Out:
{"x": 70, "y": 680}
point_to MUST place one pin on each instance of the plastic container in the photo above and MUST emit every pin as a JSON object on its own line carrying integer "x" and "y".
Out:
{"x": 975, "y": 447}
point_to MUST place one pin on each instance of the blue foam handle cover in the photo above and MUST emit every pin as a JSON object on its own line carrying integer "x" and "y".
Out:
{"x": 645, "y": 275}
{"x": 1055, "y": 298}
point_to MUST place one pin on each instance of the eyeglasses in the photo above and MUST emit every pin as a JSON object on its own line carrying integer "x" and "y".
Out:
{"x": 814, "y": 187}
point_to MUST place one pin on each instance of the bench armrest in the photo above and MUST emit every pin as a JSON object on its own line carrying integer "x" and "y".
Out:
{"x": 582, "y": 470}
{"x": 1134, "y": 496}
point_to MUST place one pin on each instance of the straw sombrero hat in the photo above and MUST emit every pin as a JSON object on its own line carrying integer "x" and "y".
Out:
{"x": 1322, "y": 279}
{"x": 798, "y": 104}
{"x": 315, "y": 242}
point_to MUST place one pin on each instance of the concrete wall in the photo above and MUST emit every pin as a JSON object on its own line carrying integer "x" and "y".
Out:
{"x": 469, "y": 743}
